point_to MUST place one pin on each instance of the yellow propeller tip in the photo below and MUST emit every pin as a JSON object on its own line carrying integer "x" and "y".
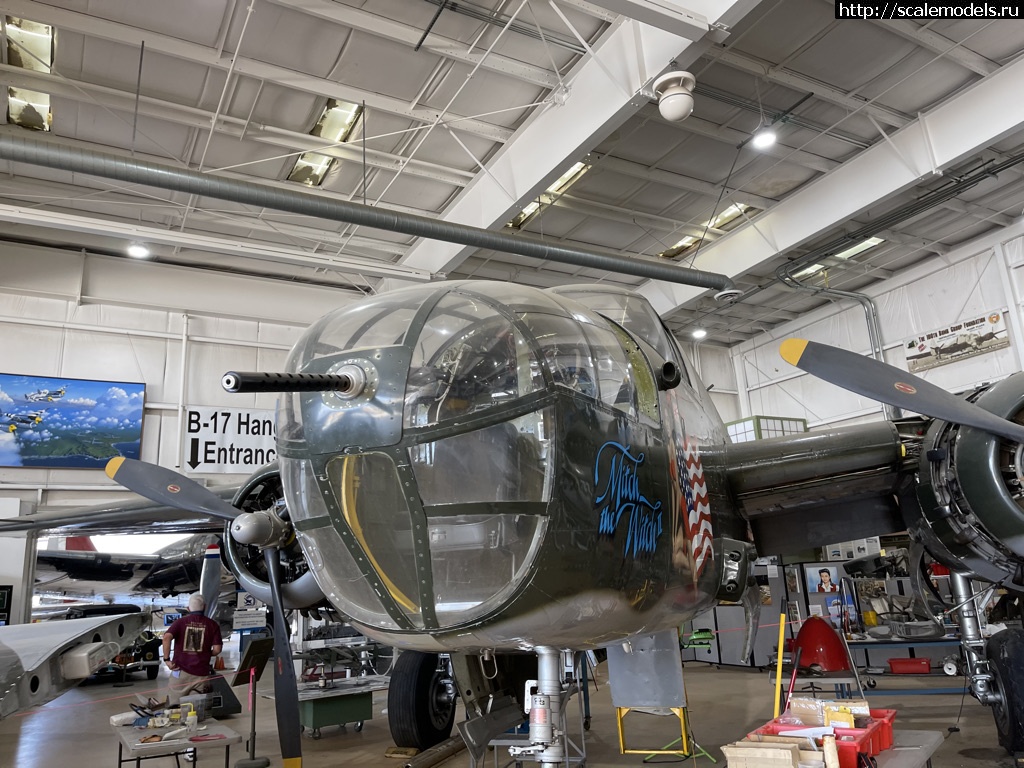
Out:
{"x": 792, "y": 349}
{"x": 113, "y": 465}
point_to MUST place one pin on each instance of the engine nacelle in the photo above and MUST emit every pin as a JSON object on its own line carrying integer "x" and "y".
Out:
{"x": 263, "y": 492}
{"x": 970, "y": 492}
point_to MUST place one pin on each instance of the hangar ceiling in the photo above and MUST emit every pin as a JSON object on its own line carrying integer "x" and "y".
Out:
{"x": 897, "y": 140}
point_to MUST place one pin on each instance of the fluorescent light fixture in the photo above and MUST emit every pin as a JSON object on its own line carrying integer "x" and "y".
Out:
{"x": 560, "y": 185}
{"x": 336, "y": 125}
{"x": 727, "y": 216}
{"x": 699, "y": 333}
{"x": 30, "y": 45}
{"x": 763, "y": 137}
{"x": 845, "y": 255}
{"x": 137, "y": 250}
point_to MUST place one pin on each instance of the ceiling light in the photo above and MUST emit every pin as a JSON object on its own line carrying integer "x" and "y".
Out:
{"x": 763, "y": 137}
{"x": 137, "y": 250}
{"x": 699, "y": 333}
{"x": 557, "y": 187}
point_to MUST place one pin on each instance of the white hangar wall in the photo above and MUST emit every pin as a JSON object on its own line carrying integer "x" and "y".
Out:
{"x": 87, "y": 316}
{"x": 984, "y": 276}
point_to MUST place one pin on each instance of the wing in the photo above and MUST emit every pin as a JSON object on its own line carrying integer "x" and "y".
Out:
{"x": 137, "y": 516}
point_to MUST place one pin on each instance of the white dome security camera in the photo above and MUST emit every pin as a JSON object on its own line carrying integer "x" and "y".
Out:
{"x": 675, "y": 95}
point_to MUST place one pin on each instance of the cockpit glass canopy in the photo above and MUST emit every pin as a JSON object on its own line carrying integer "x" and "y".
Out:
{"x": 467, "y": 358}
{"x": 422, "y": 500}
{"x": 630, "y": 311}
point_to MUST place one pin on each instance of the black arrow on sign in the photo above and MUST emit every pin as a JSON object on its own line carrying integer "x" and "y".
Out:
{"x": 193, "y": 460}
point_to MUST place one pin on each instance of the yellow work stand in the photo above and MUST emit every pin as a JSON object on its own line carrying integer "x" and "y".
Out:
{"x": 689, "y": 747}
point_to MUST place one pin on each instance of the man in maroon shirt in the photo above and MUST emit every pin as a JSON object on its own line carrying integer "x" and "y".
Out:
{"x": 196, "y": 640}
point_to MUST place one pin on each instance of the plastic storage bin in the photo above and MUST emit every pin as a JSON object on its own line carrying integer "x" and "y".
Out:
{"x": 849, "y": 741}
{"x": 885, "y": 717}
{"x": 910, "y": 666}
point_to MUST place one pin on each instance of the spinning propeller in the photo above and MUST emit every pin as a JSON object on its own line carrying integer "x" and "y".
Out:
{"x": 887, "y": 384}
{"x": 256, "y": 528}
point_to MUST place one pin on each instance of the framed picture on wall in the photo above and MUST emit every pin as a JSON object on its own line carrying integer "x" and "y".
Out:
{"x": 821, "y": 578}
{"x": 47, "y": 421}
{"x": 793, "y": 579}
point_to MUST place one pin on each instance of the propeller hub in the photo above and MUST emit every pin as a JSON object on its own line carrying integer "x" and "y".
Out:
{"x": 259, "y": 529}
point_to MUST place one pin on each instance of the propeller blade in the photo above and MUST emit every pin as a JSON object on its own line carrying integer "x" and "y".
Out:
{"x": 166, "y": 486}
{"x": 286, "y": 690}
{"x": 887, "y": 384}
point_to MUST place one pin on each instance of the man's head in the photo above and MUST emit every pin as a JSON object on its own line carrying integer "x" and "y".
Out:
{"x": 197, "y": 602}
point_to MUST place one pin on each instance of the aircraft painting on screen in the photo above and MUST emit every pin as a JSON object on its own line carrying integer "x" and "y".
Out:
{"x": 486, "y": 475}
{"x": 15, "y": 420}
{"x": 45, "y": 395}
{"x": 82, "y": 424}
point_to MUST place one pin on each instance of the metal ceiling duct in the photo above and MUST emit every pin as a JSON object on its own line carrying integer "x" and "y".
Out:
{"x": 39, "y": 152}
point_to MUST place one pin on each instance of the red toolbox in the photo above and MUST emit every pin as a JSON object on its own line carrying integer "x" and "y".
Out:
{"x": 904, "y": 666}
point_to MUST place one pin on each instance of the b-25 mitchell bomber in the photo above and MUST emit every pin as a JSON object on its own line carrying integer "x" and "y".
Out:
{"x": 482, "y": 469}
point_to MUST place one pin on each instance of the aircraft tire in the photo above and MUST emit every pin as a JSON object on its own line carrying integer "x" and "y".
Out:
{"x": 1005, "y": 652}
{"x": 420, "y": 710}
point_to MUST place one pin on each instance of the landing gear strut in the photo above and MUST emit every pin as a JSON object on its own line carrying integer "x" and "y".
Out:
{"x": 544, "y": 707}
{"x": 995, "y": 670}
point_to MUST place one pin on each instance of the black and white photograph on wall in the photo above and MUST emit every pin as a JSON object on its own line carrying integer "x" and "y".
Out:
{"x": 793, "y": 579}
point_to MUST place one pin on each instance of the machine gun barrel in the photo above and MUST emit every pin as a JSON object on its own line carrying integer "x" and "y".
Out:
{"x": 246, "y": 381}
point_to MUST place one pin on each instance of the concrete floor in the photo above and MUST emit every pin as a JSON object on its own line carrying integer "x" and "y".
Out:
{"x": 73, "y": 730}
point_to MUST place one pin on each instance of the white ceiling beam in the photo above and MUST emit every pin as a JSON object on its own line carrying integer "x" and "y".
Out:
{"x": 627, "y": 216}
{"x": 606, "y": 90}
{"x": 700, "y": 127}
{"x": 668, "y": 15}
{"x": 591, "y": 9}
{"x": 936, "y": 43}
{"x": 389, "y": 29}
{"x": 977, "y": 211}
{"x": 803, "y": 84}
{"x": 345, "y": 264}
{"x": 181, "y": 114}
{"x": 676, "y": 180}
{"x": 39, "y": 193}
{"x": 101, "y": 29}
{"x": 960, "y": 127}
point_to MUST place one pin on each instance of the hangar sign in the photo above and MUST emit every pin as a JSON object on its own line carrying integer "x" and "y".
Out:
{"x": 235, "y": 440}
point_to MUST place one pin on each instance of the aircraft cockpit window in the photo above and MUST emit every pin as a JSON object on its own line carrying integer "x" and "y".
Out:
{"x": 615, "y": 385}
{"x": 479, "y": 560}
{"x": 630, "y": 311}
{"x": 369, "y": 492}
{"x": 337, "y": 571}
{"x": 567, "y": 355}
{"x": 379, "y": 322}
{"x": 503, "y": 462}
{"x": 468, "y": 357}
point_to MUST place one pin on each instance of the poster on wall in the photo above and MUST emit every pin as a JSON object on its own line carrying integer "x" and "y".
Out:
{"x": 72, "y": 423}
{"x": 971, "y": 337}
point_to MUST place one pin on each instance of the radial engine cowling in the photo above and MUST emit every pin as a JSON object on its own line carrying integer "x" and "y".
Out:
{"x": 971, "y": 492}
{"x": 263, "y": 493}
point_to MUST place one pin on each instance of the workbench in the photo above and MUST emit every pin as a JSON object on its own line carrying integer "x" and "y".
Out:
{"x": 344, "y": 701}
{"x": 911, "y": 749}
{"x": 215, "y": 735}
